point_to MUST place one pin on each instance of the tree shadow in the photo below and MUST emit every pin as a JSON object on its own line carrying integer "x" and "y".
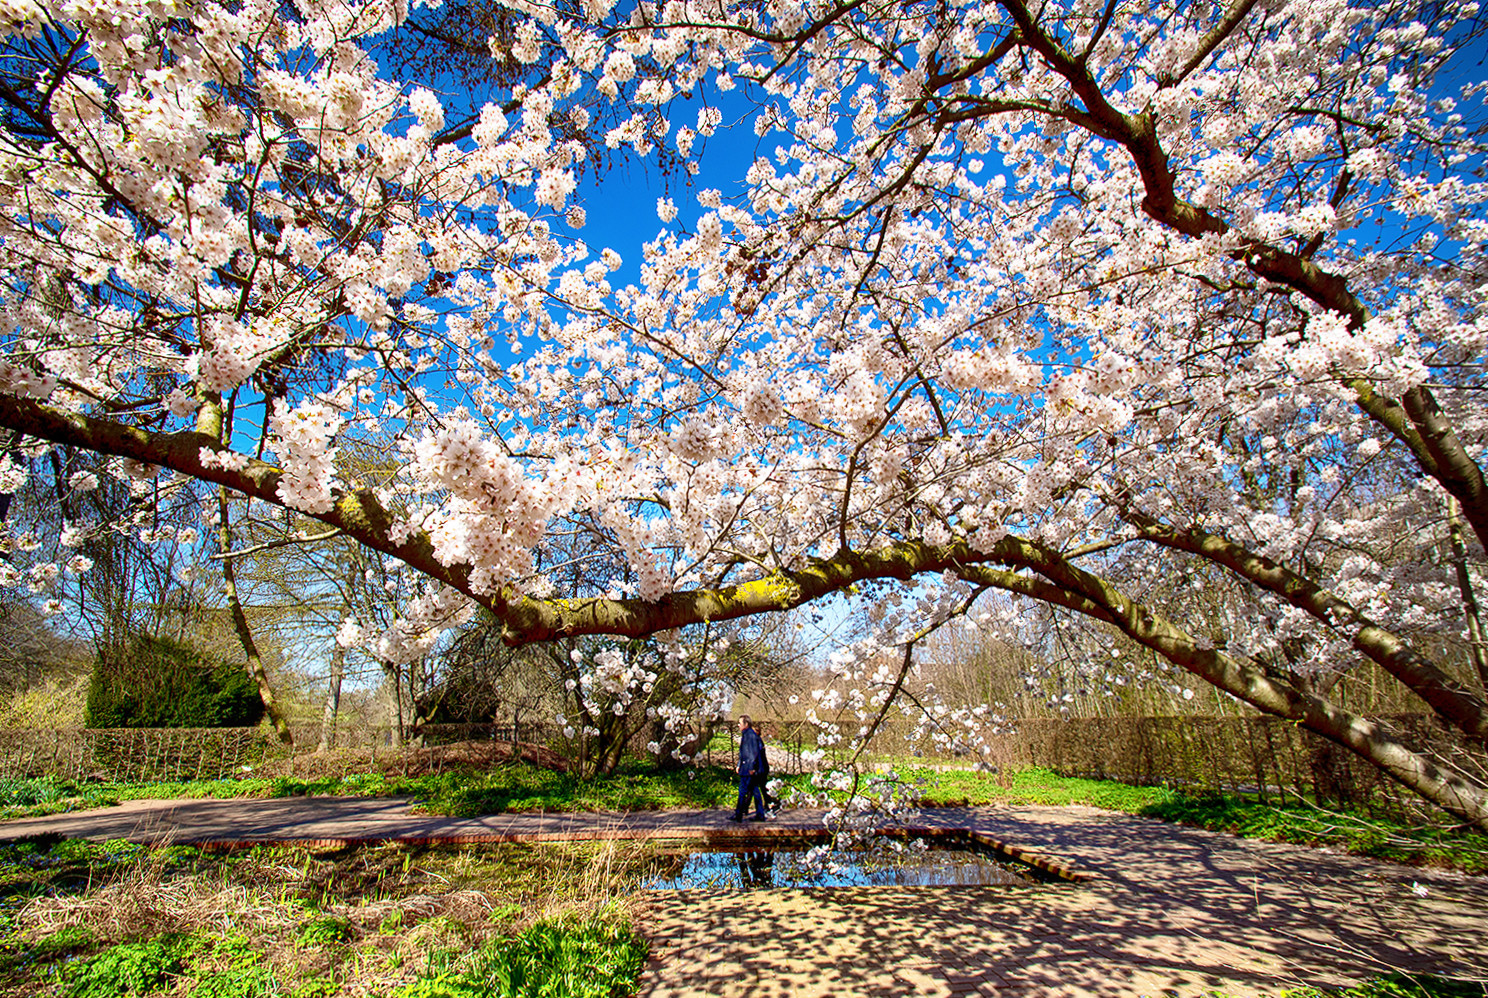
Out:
{"x": 1175, "y": 909}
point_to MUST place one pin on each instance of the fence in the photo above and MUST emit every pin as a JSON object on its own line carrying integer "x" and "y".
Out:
{"x": 135, "y": 754}
{"x": 149, "y": 754}
{"x": 143, "y": 754}
{"x": 786, "y": 745}
{"x": 351, "y": 736}
{"x": 1263, "y": 755}
{"x": 1257, "y": 754}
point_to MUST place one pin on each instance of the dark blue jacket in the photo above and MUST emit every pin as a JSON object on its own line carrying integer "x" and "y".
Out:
{"x": 751, "y": 752}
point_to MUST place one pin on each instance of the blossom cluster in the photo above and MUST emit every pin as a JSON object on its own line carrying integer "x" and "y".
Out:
{"x": 303, "y": 436}
{"x": 1048, "y": 320}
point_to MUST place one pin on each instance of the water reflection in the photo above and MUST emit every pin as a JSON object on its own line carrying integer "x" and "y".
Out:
{"x": 757, "y": 868}
{"x": 787, "y": 867}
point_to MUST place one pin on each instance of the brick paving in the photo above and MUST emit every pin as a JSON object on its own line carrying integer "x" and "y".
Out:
{"x": 1174, "y": 911}
{"x": 1169, "y": 911}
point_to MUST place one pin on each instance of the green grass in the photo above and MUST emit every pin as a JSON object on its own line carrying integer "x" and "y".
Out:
{"x": 133, "y": 968}
{"x": 278, "y": 922}
{"x": 1363, "y": 835}
{"x": 52, "y": 867}
{"x": 522, "y": 787}
{"x": 1426, "y": 845}
{"x": 306, "y": 925}
{"x": 1030, "y": 786}
{"x": 24, "y": 798}
{"x": 21, "y": 792}
{"x": 19, "y": 958}
{"x": 518, "y": 786}
{"x": 592, "y": 957}
{"x": 1391, "y": 986}
{"x": 465, "y": 793}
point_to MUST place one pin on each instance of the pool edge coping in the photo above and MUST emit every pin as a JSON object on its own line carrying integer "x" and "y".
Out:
{"x": 712, "y": 836}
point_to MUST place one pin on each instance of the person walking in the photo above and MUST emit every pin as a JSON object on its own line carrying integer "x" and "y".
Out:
{"x": 762, "y": 777}
{"x": 751, "y": 758}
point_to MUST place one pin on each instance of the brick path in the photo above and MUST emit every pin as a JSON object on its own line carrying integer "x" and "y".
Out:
{"x": 1173, "y": 910}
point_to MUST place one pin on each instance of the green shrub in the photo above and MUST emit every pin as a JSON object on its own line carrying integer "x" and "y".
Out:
{"x": 321, "y": 932}
{"x": 562, "y": 958}
{"x": 246, "y": 975}
{"x": 156, "y": 683}
{"x": 23, "y": 792}
{"x": 1389, "y": 986}
{"x": 138, "y": 968}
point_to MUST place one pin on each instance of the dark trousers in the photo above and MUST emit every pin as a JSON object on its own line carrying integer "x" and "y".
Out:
{"x": 749, "y": 785}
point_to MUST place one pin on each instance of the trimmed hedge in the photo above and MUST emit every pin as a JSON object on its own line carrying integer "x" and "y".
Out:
{"x": 158, "y": 683}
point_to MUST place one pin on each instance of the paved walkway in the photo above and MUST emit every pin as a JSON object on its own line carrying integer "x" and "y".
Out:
{"x": 1171, "y": 910}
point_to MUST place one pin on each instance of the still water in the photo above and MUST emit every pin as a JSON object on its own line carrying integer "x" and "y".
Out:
{"x": 787, "y": 867}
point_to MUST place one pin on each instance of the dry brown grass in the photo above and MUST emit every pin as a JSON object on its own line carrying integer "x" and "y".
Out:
{"x": 397, "y": 905}
{"x": 409, "y": 762}
{"x": 147, "y": 898}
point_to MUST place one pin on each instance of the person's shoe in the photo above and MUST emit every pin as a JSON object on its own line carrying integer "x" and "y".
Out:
{"x": 760, "y": 817}
{"x": 735, "y": 818}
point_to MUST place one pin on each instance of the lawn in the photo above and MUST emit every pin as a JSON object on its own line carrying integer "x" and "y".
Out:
{"x": 941, "y": 788}
{"x": 88, "y": 920}
{"x": 523, "y": 787}
{"x": 1422, "y": 843}
{"x": 461, "y": 792}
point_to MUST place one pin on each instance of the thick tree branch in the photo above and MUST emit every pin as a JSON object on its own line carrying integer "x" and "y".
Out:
{"x": 251, "y": 654}
{"x": 1451, "y": 701}
{"x": 358, "y": 514}
{"x": 362, "y": 518}
{"x": 1084, "y": 593}
{"x": 1455, "y": 469}
{"x": 1429, "y": 435}
{"x": 1212, "y": 40}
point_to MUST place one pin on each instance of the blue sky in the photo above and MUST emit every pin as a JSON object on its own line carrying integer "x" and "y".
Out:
{"x": 621, "y": 204}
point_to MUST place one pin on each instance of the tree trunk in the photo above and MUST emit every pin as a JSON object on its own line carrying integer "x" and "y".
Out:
{"x": 1331, "y": 779}
{"x": 421, "y": 708}
{"x": 1454, "y": 703}
{"x": 1477, "y": 646}
{"x": 333, "y": 699}
{"x": 245, "y": 633}
{"x": 395, "y": 732}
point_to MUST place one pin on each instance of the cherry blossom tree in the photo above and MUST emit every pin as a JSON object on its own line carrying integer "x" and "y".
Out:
{"x": 1048, "y": 301}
